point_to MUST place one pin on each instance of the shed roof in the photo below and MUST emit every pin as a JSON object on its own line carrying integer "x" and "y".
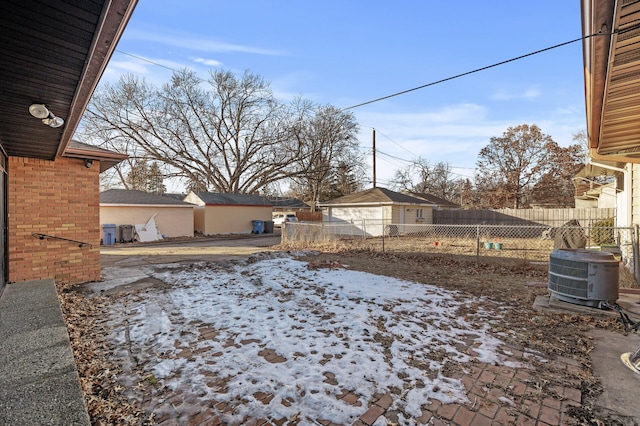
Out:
{"x": 219, "y": 199}
{"x": 375, "y": 196}
{"x": 135, "y": 197}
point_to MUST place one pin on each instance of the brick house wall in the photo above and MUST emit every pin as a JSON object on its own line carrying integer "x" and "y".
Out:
{"x": 59, "y": 198}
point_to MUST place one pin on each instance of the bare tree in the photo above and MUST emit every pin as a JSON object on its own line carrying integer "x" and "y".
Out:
{"x": 228, "y": 133}
{"x": 325, "y": 138}
{"x": 403, "y": 179}
{"x": 421, "y": 176}
{"x": 556, "y": 186}
{"x": 509, "y": 166}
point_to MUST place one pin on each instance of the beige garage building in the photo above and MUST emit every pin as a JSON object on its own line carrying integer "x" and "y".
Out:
{"x": 228, "y": 213}
{"x": 173, "y": 217}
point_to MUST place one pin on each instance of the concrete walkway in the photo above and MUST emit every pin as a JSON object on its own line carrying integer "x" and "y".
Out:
{"x": 39, "y": 383}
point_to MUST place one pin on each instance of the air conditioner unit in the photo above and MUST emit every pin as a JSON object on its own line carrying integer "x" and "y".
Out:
{"x": 584, "y": 277}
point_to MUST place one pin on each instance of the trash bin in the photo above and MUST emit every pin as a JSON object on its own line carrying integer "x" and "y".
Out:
{"x": 257, "y": 226}
{"x": 268, "y": 227}
{"x": 108, "y": 234}
{"x": 126, "y": 233}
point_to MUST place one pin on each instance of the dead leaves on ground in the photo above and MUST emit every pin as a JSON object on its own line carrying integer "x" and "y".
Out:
{"x": 105, "y": 398}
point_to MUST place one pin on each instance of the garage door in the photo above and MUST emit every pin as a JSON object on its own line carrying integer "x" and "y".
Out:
{"x": 367, "y": 219}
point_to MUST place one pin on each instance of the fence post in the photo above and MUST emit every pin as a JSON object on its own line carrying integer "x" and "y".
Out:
{"x": 383, "y": 233}
{"x": 477, "y": 243}
{"x": 636, "y": 255}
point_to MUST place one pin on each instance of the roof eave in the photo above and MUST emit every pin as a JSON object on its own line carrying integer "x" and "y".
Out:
{"x": 115, "y": 16}
{"x": 596, "y": 17}
{"x": 107, "y": 159}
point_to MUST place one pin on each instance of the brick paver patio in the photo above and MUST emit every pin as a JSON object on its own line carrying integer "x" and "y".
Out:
{"x": 497, "y": 394}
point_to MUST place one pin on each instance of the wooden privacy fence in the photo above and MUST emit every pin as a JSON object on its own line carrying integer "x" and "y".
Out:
{"x": 550, "y": 217}
{"x": 309, "y": 216}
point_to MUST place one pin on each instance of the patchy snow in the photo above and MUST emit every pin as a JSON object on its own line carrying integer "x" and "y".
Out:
{"x": 307, "y": 337}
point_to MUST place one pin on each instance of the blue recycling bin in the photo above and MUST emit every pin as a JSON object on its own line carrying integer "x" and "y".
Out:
{"x": 108, "y": 234}
{"x": 257, "y": 226}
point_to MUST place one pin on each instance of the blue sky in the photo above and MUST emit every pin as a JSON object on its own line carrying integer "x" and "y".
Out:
{"x": 347, "y": 52}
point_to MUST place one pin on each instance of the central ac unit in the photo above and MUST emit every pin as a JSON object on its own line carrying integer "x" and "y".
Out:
{"x": 584, "y": 277}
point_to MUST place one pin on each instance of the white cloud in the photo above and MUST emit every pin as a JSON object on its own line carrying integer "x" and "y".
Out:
{"x": 156, "y": 71}
{"x": 121, "y": 67}
{"x": 196, "y": 42}
{"x": 208, "y": 62}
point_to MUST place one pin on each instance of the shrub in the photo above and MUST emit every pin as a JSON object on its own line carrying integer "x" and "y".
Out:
{"x": 602, "y": 232}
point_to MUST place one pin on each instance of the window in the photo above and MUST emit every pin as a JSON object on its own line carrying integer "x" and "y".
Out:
{"x": 419, "y": 214}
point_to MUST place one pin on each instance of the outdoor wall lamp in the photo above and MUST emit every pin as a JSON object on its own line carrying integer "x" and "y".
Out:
{"x": 88, "y": 163}
{"x": 40, "y": 111}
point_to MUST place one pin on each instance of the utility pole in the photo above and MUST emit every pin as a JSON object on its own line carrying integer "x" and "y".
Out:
{"x": 374, "y": 158}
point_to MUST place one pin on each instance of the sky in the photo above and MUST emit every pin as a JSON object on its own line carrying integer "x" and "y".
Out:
{"x": 347, "y": 52}
{"x": 210, "y": 334}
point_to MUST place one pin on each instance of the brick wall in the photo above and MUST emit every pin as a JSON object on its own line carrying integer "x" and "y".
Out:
{"x": 58, "y": 198}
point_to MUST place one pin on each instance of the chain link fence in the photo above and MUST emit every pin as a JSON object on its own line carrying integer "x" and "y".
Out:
{"x": 532, "y": 243}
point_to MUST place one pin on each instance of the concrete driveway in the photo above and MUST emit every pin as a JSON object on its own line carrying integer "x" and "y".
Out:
{"x": 193, "y": 250}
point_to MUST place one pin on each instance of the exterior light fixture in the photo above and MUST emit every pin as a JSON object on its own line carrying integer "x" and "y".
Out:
{"x": 40, "y": 111}
{"x": 88, "y": 163}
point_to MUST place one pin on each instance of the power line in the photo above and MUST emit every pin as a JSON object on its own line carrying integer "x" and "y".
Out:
{"x": 378, "y": 131}
{"x": 140, "y": 58}
{"x": 394, "y": 157}
{"x": 474, "y": 71}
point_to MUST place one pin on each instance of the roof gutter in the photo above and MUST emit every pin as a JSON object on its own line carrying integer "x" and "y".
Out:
{"x": 597, "y": 17}
{"x": 605, "y": 166}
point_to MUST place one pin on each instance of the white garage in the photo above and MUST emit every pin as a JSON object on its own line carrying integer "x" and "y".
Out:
{"x": 371, "y": 211}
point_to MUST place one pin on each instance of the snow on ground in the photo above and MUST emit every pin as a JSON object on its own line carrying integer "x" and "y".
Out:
{"x": 335, "y": 330}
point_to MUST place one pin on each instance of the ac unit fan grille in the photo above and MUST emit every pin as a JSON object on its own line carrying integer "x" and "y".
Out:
{"x": 569, "y": 268}
{"x": 583, "y": 277}
{"x": 569, "y": 286}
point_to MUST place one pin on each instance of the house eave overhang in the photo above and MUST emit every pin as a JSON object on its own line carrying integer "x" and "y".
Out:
{"x": 107, "y": 159}
{"x": 115, "y": 17}
{"x": 53, "y": 53}
{"x": 611, "y": 59}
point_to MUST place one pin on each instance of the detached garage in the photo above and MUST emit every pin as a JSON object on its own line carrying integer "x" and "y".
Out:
{"x": 173, "y": 217}
{"x": 218, "y": 213}
{"x": 375, "y": 208}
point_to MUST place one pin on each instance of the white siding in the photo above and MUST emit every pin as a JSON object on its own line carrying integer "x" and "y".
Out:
{"x": 635, "y": 194}
{"x": 352, "y": 214}
{"x": 369, "y": 219}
